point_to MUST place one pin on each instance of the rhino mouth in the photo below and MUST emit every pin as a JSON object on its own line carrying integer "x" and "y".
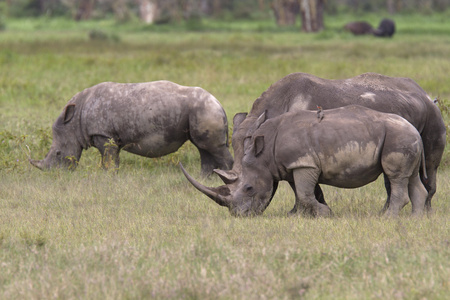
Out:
{"x": 222, "y": 196}
{"x": 247, "y": 210}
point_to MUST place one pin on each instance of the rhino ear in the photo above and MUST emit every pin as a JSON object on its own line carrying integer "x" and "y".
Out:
{"x": 261, "y": 119}
{"x": 258, "y": 145}
{"x": 238, "y": 119}
{"x": 69, "y": 113}
{"x": 226, "y": 176}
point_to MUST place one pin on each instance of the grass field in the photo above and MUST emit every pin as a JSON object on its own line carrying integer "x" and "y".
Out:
{"x": 146, "y": 233}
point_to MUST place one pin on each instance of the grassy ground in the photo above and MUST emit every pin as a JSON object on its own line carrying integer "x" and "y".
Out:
{"x": 145, "y": 232}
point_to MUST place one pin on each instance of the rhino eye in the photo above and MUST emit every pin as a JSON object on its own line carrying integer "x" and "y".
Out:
{"x": 58, "y": 152}
{"x": 248, "y": 189}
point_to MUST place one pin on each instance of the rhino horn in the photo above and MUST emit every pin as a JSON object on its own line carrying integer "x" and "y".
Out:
{"x": 226, "y": 176}
{"x": 37, "y": 163}
{"x": 220, "y": 195}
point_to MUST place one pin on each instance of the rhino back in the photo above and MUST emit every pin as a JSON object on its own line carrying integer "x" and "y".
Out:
{"x": 149, "y": 119}
{"x": 301, "y": 91}
{"x": 346, "y": 145}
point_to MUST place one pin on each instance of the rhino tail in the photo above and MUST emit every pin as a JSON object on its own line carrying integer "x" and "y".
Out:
{"x": 424, "y": 170}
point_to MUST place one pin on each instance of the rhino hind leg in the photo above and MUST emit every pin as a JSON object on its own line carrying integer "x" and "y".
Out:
{"x": 387, "y": 185}
{"x": 430, "y": 185}
{"x": 418, "y": 195}
{"x": 399, "y": 196}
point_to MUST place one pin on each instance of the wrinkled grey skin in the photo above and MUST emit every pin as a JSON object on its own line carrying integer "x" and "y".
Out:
{"x": 350, "y": 147}
{"x": 300, "y": 91}
{"x": 149, "y": 119}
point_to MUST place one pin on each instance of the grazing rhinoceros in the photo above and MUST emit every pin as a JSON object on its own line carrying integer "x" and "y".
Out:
{"x": 299, "y": 91}
{"x": 150, "y": 119}
{"x": 346, "y": 147}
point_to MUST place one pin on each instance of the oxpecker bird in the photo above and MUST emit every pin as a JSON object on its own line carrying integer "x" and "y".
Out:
{"x": 319, "y": 113}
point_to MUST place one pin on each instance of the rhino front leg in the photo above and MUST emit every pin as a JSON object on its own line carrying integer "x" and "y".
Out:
{"x": 305, "y": 180}
{"x": 109, "y": 151}
{"x": 208, "y": 164}
{"x": 211, "y": 159}
{"x": 318, "y": 193}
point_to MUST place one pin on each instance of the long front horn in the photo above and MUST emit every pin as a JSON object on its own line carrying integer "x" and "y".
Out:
{"x": 219, "y": 195}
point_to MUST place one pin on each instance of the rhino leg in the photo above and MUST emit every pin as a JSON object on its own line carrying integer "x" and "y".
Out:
{"x": 305, "y": 180}
{"x": 399, "y": 196}
{"x": 212, "y": 155}
{"x": 430, "y": 185}
{"x": 387, "y": 185}
{"x": 208, "y": 163}
{"x": 418, "y": 195}
{"x": 318, "y": 194}
{"x": 109, "y": 151}
{"x": 434, "y": 142}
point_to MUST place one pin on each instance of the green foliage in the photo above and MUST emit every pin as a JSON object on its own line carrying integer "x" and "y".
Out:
{"x": 144, "y": 232}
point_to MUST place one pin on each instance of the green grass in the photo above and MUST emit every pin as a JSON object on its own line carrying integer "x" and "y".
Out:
{"x": 146, "y": 232}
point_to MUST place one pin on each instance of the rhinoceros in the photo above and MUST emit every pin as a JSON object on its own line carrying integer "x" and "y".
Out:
{"x": 346, "y": 147}
{"x": 300, "y": 91}
{"x": 150, "y": 119}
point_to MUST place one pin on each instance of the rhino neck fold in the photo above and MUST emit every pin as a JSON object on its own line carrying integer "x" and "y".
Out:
{"x": 80, "y": 128}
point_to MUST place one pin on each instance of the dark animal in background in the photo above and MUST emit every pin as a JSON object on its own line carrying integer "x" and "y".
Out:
{"x": 149, "y": 119}
{"x": 349, "y": 148}
{"x": 385, "y": 29}
{"x": 359, "y": 28}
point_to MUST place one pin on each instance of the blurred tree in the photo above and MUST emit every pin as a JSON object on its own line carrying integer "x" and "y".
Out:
{"x": 84, "y": 9}
{"x": 394, "y": 6}
{"x": 312, "y": 15}
{"x": 162, "y": 11}
{"x": 121, "y": 10}
{"x": 285, "y": 11}
{"x": 148, "y": 10}
{"x": 311, "y": 12}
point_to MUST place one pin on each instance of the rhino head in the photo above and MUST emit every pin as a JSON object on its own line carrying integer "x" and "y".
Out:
{"x": 249, "y": 189}
{"x": 65, "y": 151}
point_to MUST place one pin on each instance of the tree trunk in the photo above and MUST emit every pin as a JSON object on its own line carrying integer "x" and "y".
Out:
{"x": 391, "y": 6}
{"x": 312, "y": 15}
{"x": 285, "y": 11}
{"x": 84, "y": 11}
{"x": 261, "y": 5}
{"x": 148, "y": 10}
